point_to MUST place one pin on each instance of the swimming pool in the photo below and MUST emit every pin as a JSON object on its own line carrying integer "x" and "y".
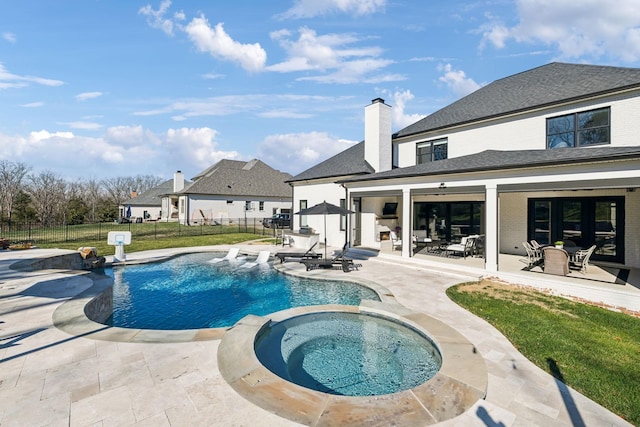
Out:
{"x": 187, "y": 292}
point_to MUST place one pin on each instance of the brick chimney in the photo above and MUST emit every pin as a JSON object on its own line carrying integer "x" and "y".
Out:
{"x": 134, "y": 194}
{"x": 377, "y": 135}
{"x": 178, "y": 181}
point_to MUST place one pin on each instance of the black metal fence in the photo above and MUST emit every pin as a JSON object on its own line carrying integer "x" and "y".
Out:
{"x": 16, "y": 232}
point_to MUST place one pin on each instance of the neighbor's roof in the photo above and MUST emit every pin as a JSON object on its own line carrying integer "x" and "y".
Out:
{"x": 153, "y": 196}
{"x": 348, "y": 162}
{"x": 491, "y": 160}
{"x": 239, "y": 178}
{"x": 543, "y": 86}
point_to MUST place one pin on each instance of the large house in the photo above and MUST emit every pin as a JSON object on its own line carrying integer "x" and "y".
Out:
{"x": 547, "y": 154}
{"x": 227, "y": 191}
{"x": 148, "y": 204}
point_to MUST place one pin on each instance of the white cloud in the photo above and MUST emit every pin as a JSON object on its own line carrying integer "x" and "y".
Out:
{"x": 216, "y": 42}
{"x": 12, "y": 81}
{"x": 156, "y": 19}
{"x": 400, "y": 99}
{"x": 313, "y": 8}
{"x": 121, "y": 151}
{"x": 88, "y": 95}
{"x": 457, "y": 80}
{"x": 332, "y": 55}
{"x": 10, "y": 37}
{"x": 33, "y": 104}
{"x": 83, "y": 125}
{"x": 296, "y": 152}
{"x": 202, "y": 149}
{"x": 584, "y": 29}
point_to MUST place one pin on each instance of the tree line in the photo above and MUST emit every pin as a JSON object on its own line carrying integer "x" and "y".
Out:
{"x": 49, "y": 199}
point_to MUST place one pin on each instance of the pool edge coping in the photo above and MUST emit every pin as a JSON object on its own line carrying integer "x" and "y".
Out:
{"x": 461, "y": 381}
{"x": 71, "y": 316}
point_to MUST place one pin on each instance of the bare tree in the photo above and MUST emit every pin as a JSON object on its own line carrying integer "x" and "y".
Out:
{"x": 11, "y": 182}
{"x": 142, "y": 183}
{"x": 48, "y": 196}
{"x": 118, "y": 189}
{"x": 93, "y": 193}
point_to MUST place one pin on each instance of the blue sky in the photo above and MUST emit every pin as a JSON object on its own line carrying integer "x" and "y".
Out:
{"x": 103, "y": 88}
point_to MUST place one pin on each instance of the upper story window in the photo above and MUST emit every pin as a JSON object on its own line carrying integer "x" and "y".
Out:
{"x": 430, "y": 151}
{"x": 580, "y": 129}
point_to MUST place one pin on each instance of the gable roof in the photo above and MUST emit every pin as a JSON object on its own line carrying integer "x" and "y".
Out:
{"x": 491, "y": 160}
{"x": 348, "y": 162}
{"x": 239, "y": 178}
{"x": 547, "y": 85}
{"x": 153, "y": 196}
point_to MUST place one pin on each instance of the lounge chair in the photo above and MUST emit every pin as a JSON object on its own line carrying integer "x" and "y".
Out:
{"x": 465, "y": 247}
{"x": 581, "y": 259}
{"x": 232, "y": 255}
{"x": 396, "y": 242}
{"x": 262, "y": 259}
{"x": 340, "y": 260}
{"x": 298, "y": 256}
{"x": 556, "y": 261}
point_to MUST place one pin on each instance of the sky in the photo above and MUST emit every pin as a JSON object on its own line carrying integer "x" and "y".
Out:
{"x": 103, "y": 88}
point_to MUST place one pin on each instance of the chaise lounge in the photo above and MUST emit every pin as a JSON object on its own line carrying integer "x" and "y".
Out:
{"x": 340, "y": 260}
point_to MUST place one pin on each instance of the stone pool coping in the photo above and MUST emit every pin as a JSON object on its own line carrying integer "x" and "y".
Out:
{"x": 461, "y": 381}
{"x": 82, "y": 314}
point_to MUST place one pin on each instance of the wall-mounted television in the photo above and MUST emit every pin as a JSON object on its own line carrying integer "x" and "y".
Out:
{"x": 390, "y": 208}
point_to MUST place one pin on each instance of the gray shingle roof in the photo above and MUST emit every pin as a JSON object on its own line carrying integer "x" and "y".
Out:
{"x": 349, "y": 162}
{"x": 491, "y": 160}
{"x": 153, "y": 196}
{"x": 237, "y": 178}
{"x": 543, "y": 86}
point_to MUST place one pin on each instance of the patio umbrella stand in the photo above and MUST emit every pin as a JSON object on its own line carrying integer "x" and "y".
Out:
{"x": 325, "y": 209}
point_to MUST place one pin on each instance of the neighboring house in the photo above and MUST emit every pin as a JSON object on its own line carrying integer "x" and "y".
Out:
{"x": 548, "y": 154}
{"x": 227, "y": 191}
{"x": 147, "y": 205}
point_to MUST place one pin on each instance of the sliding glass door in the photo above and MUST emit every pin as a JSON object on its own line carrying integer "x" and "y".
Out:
{"x": 580, "y": 222}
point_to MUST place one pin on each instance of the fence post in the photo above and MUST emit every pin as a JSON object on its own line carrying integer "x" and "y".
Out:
{"x": 155, "y": 230}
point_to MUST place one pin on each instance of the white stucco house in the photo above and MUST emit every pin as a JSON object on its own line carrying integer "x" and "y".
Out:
{"x": 229, "y": 190}
{"x": 552, "y": 153}
{"x": 147, "y": 206}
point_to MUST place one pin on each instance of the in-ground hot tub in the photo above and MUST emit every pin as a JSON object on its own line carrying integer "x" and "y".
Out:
{"x": 290, "y": 372}
{"x": 348, "y": 354}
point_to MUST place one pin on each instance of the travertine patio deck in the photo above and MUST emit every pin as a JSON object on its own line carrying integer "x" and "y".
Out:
{"x": 49, "y": 377}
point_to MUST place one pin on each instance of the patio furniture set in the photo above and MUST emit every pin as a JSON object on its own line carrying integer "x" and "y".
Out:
{"x": 557, "y": 260}
{"x": 472, "y": 245}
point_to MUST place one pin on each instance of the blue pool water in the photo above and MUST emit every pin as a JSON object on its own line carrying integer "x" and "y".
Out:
{"x": 348, "y": 354}
{"x": 187, "y": 292}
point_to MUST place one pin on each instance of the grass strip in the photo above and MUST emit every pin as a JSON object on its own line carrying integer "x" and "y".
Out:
{"x": 591, "y": 349}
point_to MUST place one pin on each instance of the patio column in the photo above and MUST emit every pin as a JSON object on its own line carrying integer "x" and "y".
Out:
{"x": 407, "y": 242}
{"x": 491, "y": 231}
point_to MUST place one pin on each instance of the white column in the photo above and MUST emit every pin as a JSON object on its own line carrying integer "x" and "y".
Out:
{"x": 491, "y": 240}
{"x": 407, "y": 242}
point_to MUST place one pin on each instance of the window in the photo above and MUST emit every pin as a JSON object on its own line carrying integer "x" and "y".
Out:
{"x": 579, "y": 129}
{"x": 430, "y": 151}
{"x": 343, "y": 218}
{"x": 303, "y": 218}
{"x": 229, "y": 202}
{"x": 261, "y": 206}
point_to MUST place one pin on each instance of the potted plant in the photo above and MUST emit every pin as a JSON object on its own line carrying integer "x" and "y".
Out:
{"x": 559, "y": 244}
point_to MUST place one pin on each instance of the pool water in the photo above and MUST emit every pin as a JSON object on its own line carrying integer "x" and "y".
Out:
{"x": 348, "y": 354}
{"x": 187, "y": 292}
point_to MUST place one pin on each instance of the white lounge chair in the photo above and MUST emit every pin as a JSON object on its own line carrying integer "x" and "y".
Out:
{"x": 396, "y": 242}
{"x": 262, "y": 259}
{"x": 232, "y": 255}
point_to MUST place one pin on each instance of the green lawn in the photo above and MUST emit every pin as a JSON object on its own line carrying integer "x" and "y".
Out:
{"x": 593, "y": 350}
{"x": 144, "y": 244}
